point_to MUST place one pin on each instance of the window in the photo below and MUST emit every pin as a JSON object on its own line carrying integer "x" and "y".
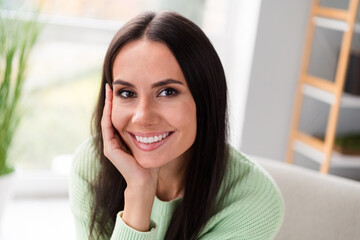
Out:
{"x": 64, "y": 74}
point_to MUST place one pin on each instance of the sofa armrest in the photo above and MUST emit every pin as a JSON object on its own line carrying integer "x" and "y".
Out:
{"x": 317, "y": 206}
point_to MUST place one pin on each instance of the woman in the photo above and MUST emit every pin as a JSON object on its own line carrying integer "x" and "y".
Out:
{"x": 158, "y": 166}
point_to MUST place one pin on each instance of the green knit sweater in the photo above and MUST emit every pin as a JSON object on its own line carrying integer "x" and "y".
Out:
{"x": 251, "y": 209}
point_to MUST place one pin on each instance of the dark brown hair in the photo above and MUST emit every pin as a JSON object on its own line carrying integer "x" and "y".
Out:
{"x": 205, "y": 77}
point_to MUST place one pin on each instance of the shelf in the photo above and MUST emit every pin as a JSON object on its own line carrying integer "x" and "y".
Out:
{"x": 350, "y": 101}
{"x": 357, "y": 28}
{"x": 347, "y": 100}
{"x": 341, "y": 160}
{"x": 337, "y": 159}
{"x": 318, "y": 94}
{"x": 333, "y": 24}
{"x": 308, "y": 151}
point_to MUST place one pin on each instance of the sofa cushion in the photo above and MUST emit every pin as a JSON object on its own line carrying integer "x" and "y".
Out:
{"x": 317, "y": 206}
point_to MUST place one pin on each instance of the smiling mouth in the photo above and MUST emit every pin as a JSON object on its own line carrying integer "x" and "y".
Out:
{"x": 151, "y": 139}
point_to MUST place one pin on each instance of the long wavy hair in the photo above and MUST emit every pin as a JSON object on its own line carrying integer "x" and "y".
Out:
{"x": 205, "y": 77}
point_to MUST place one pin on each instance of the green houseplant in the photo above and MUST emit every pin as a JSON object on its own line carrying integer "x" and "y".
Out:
{"x": 17, "y": 37}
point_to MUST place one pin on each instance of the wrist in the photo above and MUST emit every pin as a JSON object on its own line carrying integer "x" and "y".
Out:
{"x": 137, "y": 195}
{"x": 137, "y": 208}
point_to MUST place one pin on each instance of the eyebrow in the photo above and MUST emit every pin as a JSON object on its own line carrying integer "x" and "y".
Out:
{"x": 154, "y": 85}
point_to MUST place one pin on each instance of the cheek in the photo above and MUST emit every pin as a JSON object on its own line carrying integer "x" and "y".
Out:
{"x": 118, "y": 119}
{"x": 185, "y": 119}
{"x": 192, "y": 123}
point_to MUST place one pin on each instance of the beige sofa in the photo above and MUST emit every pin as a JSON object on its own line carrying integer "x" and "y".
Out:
{"x": 317, "y": 206}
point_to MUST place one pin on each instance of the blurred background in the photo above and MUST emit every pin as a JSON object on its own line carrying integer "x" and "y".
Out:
{"x": 259, "y": 42}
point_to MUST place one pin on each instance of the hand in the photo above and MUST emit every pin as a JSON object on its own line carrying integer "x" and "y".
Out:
{"x": 119, "y": 154}
{"x": 141, "y": 183}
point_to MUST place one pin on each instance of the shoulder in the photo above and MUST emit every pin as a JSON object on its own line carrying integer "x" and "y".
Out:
{"x": 85, "y": 167}
{"x": 242, "y": 170}
{"x": 85, "y": 164}
{"x": 249, "y": 204}
{"x": 244, "y": 175}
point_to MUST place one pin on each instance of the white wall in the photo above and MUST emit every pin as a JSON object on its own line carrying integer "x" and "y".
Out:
{"x": 274, "y": 74}
{"x": 242, "y": 29}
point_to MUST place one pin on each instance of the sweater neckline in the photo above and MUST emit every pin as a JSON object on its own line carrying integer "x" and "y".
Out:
{"x": 166, "y": 207}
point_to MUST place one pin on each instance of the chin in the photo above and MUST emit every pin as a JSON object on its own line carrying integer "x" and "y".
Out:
{"x": 148, "y": 162}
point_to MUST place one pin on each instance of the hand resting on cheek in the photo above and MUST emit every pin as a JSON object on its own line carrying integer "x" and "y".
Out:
{"x": 141, "y": 183}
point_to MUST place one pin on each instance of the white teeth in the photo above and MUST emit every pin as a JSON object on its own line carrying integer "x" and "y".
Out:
{"x": 151, "y": 139}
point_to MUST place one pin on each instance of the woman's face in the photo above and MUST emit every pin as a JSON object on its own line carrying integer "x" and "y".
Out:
{"x": 153, "y": 109}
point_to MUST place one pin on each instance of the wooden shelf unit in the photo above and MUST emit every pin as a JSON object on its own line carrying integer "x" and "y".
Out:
{"x": 324, "y": 90}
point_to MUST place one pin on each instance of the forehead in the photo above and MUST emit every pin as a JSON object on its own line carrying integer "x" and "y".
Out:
{"x": 145, "y": 46}
{"x": 146, "y": 59}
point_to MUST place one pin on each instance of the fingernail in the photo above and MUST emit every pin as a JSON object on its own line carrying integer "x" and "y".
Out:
{"x": 106, "y": 89}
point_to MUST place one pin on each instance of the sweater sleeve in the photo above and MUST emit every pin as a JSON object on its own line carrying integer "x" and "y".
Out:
{"x": 123, "y": 231}
{"x": 84, "y": 170}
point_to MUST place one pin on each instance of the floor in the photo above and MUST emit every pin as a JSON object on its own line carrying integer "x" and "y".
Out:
{"x": 40, "y": 219}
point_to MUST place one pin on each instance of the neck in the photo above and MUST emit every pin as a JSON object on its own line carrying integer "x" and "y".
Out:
{"x": 171, "y": 178}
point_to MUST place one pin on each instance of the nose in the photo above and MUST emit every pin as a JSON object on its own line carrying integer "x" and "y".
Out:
{"x": 145, "y": 113}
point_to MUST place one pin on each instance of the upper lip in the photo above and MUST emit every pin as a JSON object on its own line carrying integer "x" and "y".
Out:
{"x": 149, "y": 134}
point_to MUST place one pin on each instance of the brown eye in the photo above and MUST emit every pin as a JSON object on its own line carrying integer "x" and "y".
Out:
{"x": 168, "y": 92}
{"x": 126, "y": 94}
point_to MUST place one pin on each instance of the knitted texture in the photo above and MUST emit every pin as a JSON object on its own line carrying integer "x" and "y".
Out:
{"x": 251, "y": 206}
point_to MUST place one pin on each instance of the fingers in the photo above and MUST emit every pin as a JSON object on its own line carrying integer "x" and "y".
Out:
{"x": 122, "y": 144}
{"x": 114, "y": 147}
{"x": 108, "y": 93}
{"x": 106, "y": 117}
{"x": 111, "y": 138}
{"x": 106, "y": 124}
